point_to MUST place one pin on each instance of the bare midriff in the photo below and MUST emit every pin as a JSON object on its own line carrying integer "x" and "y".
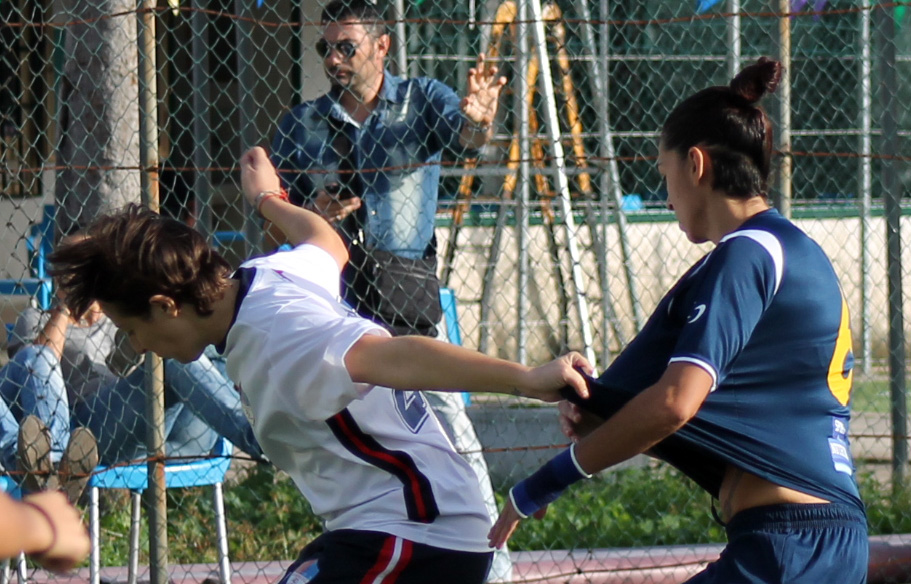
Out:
{"x": 741, "y": 490}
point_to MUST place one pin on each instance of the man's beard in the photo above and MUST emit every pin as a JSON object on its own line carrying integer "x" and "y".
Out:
{"x": 336, "y": 83}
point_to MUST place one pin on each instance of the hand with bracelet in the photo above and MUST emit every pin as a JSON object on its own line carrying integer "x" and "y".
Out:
{"x": 531, "y": 496}
{"x": 46, "y": 527}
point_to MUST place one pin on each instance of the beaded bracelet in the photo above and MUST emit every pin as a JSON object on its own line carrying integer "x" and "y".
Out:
{"x": 263, "y": 195}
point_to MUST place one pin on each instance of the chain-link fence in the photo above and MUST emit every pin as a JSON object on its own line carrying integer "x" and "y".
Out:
{"x": 553, "y": 234}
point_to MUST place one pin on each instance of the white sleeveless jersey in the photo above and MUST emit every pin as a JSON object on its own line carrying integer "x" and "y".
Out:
{"x": 365, "y": 457}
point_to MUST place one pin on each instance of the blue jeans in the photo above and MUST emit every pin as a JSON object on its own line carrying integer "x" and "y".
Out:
{"x": 200, "y": 404}
{"x": 9, "y": 430}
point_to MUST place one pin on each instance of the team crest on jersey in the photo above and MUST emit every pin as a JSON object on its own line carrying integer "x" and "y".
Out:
{"x": 412, "y": 407}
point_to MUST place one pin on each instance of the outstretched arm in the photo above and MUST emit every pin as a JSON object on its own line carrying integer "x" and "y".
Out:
{"x": 412, "y": 362}
{"x": 479, "y": 106}
{"x": 262, "y": 190}
{"x": 646, "y": 420}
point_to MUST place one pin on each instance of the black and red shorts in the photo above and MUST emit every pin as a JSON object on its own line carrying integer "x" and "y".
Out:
{"x": 366, "y": 557}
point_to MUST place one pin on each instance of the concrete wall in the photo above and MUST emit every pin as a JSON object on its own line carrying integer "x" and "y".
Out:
{"x": 518, "y": 438}
{"x": 659, "y": 255}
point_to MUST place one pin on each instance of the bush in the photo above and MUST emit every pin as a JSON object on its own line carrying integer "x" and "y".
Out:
{"x": 627, "y": 508}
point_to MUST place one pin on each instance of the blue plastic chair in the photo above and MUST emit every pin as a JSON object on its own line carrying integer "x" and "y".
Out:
{"x": 11, "y": 488}
{"x": 451, "y": 322}
{"x": 451, "y": 316}
{"x": 39, "y": 243}
{"x": 178, "y": 474}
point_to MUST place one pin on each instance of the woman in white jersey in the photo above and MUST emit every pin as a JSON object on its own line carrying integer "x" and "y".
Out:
{"x": 399, "y": 504}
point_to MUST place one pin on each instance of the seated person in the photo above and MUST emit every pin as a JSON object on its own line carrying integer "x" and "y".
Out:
{"x": 73, "y": 372}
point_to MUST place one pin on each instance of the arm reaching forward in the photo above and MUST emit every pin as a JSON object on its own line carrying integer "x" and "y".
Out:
{"x": 413, "y": 362}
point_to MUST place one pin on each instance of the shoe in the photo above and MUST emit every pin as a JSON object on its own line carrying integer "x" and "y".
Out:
{"x": 79, "y": 461}
{"x": 34, "y": 455}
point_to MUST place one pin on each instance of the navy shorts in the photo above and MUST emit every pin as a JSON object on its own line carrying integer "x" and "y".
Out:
{"x": 806, "y": 544}
{"x": 350, "y": 556}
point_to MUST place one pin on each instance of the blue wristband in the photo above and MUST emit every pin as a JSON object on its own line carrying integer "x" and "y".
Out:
{"x": 543, "y": 487}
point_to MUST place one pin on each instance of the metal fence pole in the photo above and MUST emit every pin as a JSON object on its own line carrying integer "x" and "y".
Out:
{"x": 202, "y": 155}
{"x": 885, "y": 27}
{"x": 611, "y": 189}
{"x": 865, "y": 180}
{"x": 154, "y": 370}
{"x": 246, "y": 110}
{"x": 735, "y": 38}
{"x": 523, "y": 192}
{"x": 401, "y": 36}
{"x": 553, "y": 129}
{"x": 786, "y": 163}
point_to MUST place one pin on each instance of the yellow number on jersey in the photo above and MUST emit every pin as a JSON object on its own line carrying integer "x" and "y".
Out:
{"x": 839, "y": 383}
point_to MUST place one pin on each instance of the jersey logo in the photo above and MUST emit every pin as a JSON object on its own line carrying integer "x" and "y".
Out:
{"x": 696, "y": 314}
{"x": 412, "y": 408}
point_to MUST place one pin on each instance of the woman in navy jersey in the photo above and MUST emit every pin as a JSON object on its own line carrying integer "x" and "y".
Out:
{"x": 742, "y": 376}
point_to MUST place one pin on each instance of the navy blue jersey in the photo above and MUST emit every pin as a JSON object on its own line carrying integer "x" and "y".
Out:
{"x": 764, "y": 314}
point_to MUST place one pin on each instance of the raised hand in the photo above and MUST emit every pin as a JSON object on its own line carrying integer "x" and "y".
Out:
{"x": 257, "y": 174}
{"x": 482, "y": 98}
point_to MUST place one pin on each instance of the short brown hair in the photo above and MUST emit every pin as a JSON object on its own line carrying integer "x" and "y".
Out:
{"x": 134, "y": 254}
{"x": 367, "y": 13}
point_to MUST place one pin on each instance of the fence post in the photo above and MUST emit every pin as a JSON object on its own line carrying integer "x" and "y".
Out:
{"x": 865, "y": 180}
{"x": 154, "y": 372}
{"x": 786, "y": 166}
{"x": 885, "y": 28}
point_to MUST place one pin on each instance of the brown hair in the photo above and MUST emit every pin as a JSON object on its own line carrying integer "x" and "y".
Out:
{"x": 368, "y": 14}
{"x": 134, "y": 254}
{"x": 729, "y": 124}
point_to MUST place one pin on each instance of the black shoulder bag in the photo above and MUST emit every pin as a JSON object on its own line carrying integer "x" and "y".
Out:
{"x": 400, "y": 293}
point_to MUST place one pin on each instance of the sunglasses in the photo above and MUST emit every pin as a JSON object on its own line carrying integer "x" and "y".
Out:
{"x": 346, "y": 49}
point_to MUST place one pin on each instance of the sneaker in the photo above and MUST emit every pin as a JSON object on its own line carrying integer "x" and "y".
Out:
{"x": 34, "y": 455}
{"x": 79, "y": 461}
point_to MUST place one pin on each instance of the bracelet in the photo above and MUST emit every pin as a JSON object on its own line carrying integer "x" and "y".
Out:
{"x": 263, "y": 195}
{"x": 543, "y": 487}
{"x": 50, "y": 522}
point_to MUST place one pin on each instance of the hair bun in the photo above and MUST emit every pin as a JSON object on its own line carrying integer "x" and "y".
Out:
{"x": 756, "y": 80}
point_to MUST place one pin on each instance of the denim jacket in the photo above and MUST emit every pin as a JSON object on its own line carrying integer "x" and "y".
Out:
{"x": 396, "y": 154}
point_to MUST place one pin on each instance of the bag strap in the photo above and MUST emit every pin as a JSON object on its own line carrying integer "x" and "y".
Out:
{"x": 352, "y": 227}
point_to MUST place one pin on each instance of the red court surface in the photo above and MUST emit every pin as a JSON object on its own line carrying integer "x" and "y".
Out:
{"x": 890, "y": 561}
